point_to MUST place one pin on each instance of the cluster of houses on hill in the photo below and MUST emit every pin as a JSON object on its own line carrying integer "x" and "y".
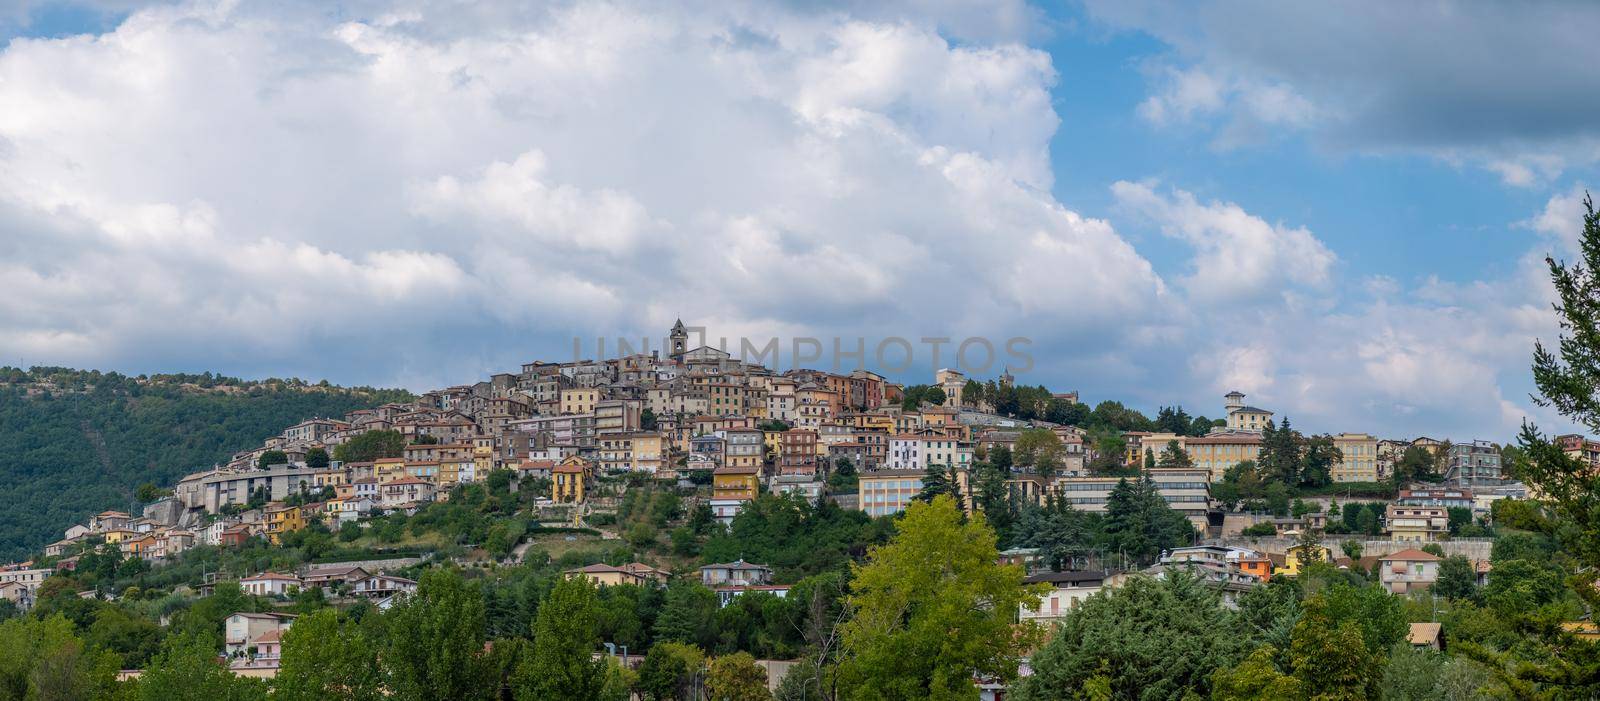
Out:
{"x": 753, "y": 428}
{"x": 696, "y": 409}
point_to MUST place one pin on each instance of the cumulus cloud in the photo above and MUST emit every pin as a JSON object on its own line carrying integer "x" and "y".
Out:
{"x": 1237, "y": 256}
{"x": 421, "y": 192}
{"x": 1506, "y": 87}
{"x": 265, "y": 189}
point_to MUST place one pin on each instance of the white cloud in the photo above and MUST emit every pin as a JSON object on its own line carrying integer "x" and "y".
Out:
{"x": 1237, "y": 256}
{"x": 430, "y": 191}
{"x": 260, "y": 188}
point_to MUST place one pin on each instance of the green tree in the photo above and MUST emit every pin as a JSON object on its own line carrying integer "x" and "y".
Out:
{"x": 45, "y": 659}
{"x": 326, "y": 658}
{"x": 1175, "y": 456}
{"x": 937, "y": 480}
{"x": 1173, "y": 420}
{"x": 565, "y": 635}
{"x": 1256, "y": 678}
{"x": 187, "y": 670}
{"x": 1040, "y": 449}
{"x": 1308, "y": 547}
{"x": 440, "y": 654}
{"x": 1517, "y": 587}
{"x": 641, "y": 535}
{"x": 148, "y": 492}
{"x": 370, "y": 446}
{"x": 1110, "y": 447}
{"x": 992, "y": 495}
{"x": 132, "y": 637}
{"x": 1278, "y": 499}
{"x": 1316, "y": 464}
{"x": 1140, "y": 524}
{"x": 1299, "y": 508}
{"x": 1352, "y": 549}
{"x": 1263, "y": 529}
{"x": 271, "y": 457}
{"x": 669, "y": 671}
{"x": 1001, "y": 458}
{"x": 316, "y": 457}
{"x": 1330, "y": 657}
{"x": 736, "y": 677}
{"x": 1279, "y": 459}
{"x": 933, "y": 610}
{"x": 1367, "y": 522}
{"x": 1152, "y": 639}
{"x": 689, "y": 615}
{"x": 1416, "y": 463}
{"x": 1412, "y": 675}
{"x": 1457, "y": 578}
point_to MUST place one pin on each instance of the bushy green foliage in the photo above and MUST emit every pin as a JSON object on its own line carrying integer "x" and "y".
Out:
{"x": 86, "y": 444}
{"x": 933, "y": 611}
{"x": 1148, "y": 639}
{"x": 795, "y": 538}
{"x": 1265, "y": 528}
{"x": 370, "y": 446}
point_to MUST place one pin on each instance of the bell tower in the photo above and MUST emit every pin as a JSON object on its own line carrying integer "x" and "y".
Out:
{"x": 679, "y": 341}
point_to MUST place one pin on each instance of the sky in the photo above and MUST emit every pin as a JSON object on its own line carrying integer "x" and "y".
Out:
{"x": 1341, "y": 210}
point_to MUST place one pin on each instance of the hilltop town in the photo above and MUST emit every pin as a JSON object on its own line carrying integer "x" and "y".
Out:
{"x": 581, "y": 449}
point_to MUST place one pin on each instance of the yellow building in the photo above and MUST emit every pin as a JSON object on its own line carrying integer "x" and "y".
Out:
{"x": 649, "y": 452}
{"x": 118, "y": 535}
{"x": 483, "y": 454}
{"x": 734, "y": 483}
{"x": 569, "y": 481}
{"x": 881, "y": 422}
{"x": 328, "y": 478}
{"x": 1134, "y": 445}
{"x": 1217, "y": 453}
{"x": 1583, "y": 630}
{"x": 886, "y": 492}
{"x": 635, "y": 573}
{"x": 388, "y": 469}
{"x": 1360, "y": 463}
{"x": 1291, "y": 559}
{"x": 579, "y": 401}
{"x": 453, "y": 471}
{"x": 282, "y": 519}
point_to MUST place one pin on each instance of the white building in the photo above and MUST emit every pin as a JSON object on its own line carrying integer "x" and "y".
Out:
{"x": 1067, "y": 592}
{"x": 916, "y": 451}
{"x": 269, "y": 584}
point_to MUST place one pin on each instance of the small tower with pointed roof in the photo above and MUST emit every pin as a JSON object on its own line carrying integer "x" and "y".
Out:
{"x": 679, "y": 337}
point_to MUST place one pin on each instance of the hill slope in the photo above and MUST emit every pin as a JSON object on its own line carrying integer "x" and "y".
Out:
{"x": 73, "y": 443}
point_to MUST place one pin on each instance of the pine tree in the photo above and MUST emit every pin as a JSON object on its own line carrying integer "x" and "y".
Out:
{"x": 1175, "y": 456}
{"x": 1280, "y": 456}
{"x": 936, "y": 480}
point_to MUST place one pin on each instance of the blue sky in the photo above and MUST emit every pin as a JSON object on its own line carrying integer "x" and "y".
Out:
{"x": 1324, "y": 207}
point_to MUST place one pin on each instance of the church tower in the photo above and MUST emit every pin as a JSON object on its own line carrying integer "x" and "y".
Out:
{"x": 679, "y": 338}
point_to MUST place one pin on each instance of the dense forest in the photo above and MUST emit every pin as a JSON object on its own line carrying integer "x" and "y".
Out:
{"x": 73, "y": 443}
